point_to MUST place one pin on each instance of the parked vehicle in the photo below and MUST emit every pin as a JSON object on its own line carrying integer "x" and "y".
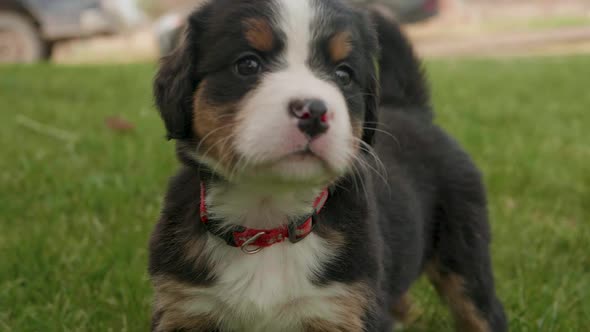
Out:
{"x": 413, "y": 11}
{"x": 170, "y": 26}
{"x": 30, "y": 28}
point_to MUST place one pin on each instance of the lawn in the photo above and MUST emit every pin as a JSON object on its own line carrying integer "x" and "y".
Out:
{"x": 77, "y": 205}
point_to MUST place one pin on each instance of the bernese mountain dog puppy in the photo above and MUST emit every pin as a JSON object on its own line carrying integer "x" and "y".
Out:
{"x": 315, "y": 187}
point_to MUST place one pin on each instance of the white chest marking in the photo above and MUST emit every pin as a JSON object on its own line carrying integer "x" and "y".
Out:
{"x": 269, "y": 291}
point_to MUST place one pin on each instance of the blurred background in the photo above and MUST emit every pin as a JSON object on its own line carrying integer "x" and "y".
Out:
{"x": 84, "y": 162}
{"x": 90, "y": 31}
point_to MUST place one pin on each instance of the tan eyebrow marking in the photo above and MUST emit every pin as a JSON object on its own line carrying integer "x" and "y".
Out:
{"x": 259, "y": 34}
{"x": 340, "y": 46}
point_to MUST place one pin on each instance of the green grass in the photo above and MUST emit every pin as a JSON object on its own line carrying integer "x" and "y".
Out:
{"x": 76, "y": 211}
{"x": 538, "y": 23}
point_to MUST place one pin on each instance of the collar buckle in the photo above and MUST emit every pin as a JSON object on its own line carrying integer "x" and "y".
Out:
{"x": 293, "y": 229}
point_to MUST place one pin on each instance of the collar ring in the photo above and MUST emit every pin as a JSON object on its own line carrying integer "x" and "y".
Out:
{"x": 246, "y": 247}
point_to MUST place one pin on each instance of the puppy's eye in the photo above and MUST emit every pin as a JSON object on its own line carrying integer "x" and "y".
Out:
{"x": 248, "y": 65}
{"x": 344, "y": 75}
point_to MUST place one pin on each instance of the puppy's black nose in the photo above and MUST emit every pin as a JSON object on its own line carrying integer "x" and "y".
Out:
{"x": 312, "y": 115}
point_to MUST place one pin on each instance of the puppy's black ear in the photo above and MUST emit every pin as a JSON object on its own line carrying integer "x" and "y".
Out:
{"x": 177, "y": 80}
{"x": 172, "y": 90}
{"x": 402, "y": 81}
{"x": 372, "y": 92}
{"x": 372, "y": 88}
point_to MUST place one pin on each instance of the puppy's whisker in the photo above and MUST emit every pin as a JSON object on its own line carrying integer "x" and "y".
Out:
{"x": 215, "y": 145}
{"x": 204, "y": 138}
{"x": 361, "y": 180}
{"x": 357, "y": 175}
{"x": 227, "y": 141}
{"x": 369, "y": 149}
{"x": 360, "y": 95}
{"x": 383, "y": 132}
{"x": 238, "y": 167}
{"x": 336, "y": 185}
{"x": 221, "y": 144}
{"x": 379, "y": 169}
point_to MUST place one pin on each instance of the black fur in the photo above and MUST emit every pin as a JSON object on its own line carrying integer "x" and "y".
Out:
{"x": 176, "y": 82}
{"x": 428, "y": 206}
{"x": 401, "y": 86}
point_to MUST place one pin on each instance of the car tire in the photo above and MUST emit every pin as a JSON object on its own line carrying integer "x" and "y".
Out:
{"x": 20, "y": 41}
{"x": 48, "y": 48}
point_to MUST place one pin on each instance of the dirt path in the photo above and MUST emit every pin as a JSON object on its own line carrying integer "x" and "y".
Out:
{"x": 555, "y": 41}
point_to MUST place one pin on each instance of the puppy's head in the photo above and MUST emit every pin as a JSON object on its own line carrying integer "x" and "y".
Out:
{"x": 279, "y": 89}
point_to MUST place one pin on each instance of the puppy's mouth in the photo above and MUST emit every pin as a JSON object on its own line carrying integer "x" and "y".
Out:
{"x": 300, "y": 165}
{"x": 303, "y": 154}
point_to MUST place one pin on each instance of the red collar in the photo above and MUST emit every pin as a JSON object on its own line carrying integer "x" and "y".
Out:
{"x": 252, "y": 240}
